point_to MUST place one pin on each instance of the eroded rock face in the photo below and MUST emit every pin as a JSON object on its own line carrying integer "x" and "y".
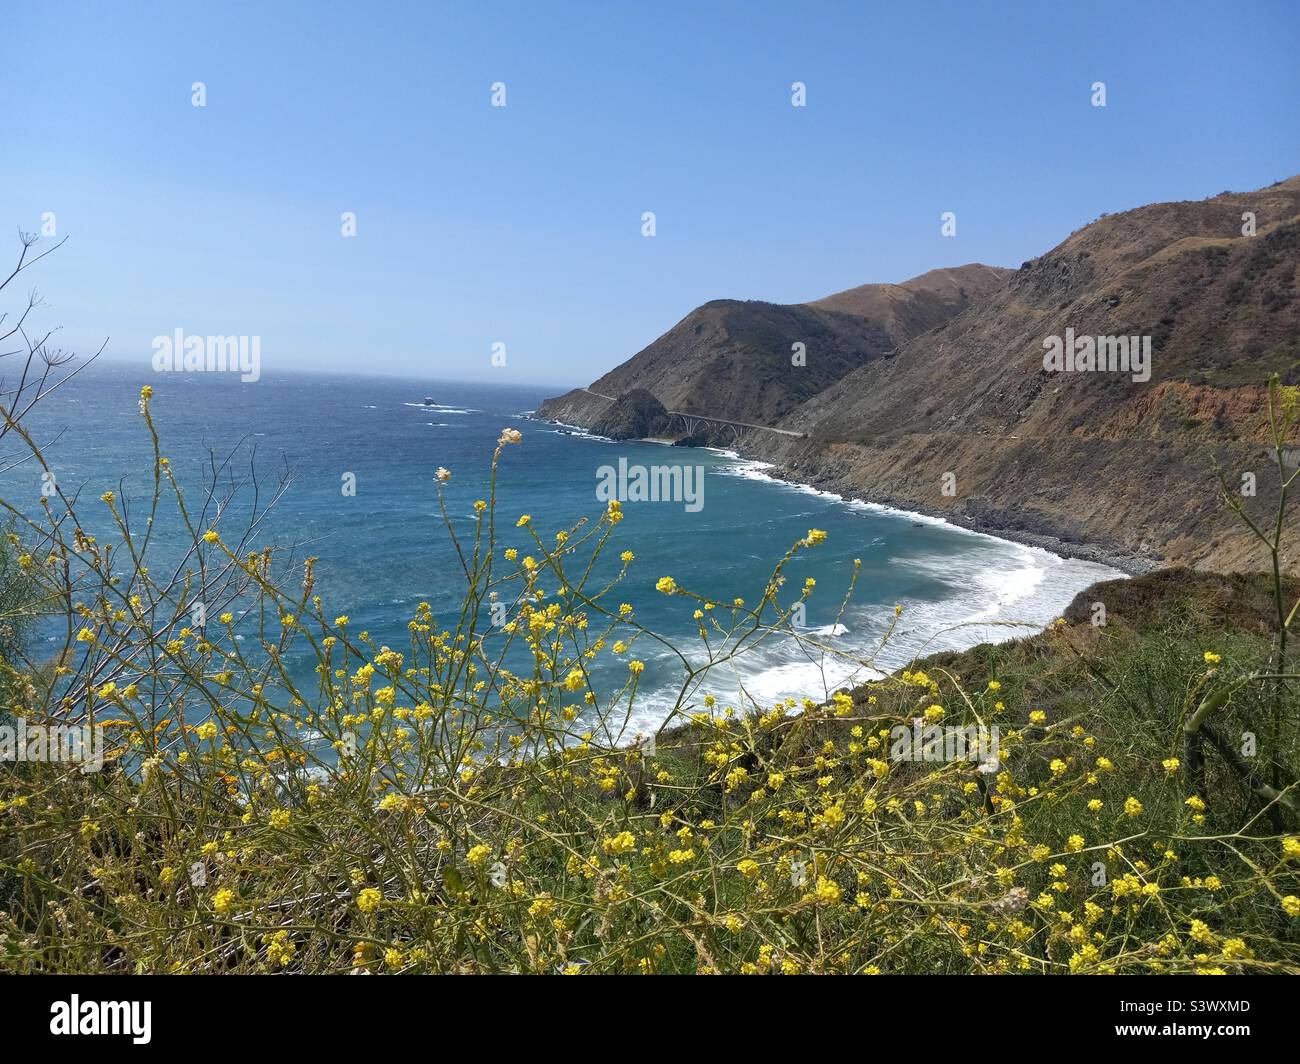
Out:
{"x": 633, "y": 416}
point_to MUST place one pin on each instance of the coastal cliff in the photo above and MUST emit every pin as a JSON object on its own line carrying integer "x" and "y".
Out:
{"x": 963, "y": 419}
{"x": 739, "y": 360}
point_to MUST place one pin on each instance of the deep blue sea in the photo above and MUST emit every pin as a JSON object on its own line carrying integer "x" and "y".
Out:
{"x": 385, "y": 548}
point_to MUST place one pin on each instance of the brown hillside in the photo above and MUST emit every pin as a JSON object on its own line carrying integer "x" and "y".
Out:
{"x": 1089, "y": 456}
{"x": 733, "y": 359}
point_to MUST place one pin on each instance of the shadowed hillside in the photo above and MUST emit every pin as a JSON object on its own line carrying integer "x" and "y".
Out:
{"x": 734, "y": 359}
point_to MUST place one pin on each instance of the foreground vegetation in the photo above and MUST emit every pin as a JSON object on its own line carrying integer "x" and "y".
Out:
{"x": 428, "y": 808}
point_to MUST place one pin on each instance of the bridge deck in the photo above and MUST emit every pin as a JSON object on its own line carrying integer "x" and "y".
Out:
{"x": 712, "y": 420}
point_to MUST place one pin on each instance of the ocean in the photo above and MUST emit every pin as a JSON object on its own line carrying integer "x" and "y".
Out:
{"x": 383, "y": 549}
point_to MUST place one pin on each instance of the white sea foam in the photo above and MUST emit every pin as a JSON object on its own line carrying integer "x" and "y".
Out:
{"x": 1000, "y": 590}
{"x": 442, "y": 409}
{"x": 577, "y": 432}
{"x": 772, "y": 672}
{"x": 752, "y": 469}
{"x": 1012, "y": 595}
{"x": 831, "y": 629}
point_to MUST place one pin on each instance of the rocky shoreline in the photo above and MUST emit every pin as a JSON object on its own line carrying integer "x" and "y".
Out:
{"x": 1132, "y": 563}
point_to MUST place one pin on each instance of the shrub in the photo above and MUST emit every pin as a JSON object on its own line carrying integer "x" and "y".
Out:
{"x": 449, "y": 806}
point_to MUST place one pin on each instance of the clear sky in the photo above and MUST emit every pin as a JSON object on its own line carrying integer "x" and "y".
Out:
{"x": 522, "y": 225}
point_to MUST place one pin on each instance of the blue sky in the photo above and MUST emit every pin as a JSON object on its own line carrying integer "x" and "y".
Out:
{"x": 522, "y": 224}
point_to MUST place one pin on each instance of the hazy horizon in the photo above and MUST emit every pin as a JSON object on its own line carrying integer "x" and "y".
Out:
{"x": 404, "y": 373}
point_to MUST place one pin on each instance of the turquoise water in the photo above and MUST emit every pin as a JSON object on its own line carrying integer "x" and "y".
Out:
{"x": 385, "y": 549}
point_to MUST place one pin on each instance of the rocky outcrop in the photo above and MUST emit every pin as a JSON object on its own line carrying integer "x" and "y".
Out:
{"x": 633, "y": 416}
{"x": 579, "y": 408}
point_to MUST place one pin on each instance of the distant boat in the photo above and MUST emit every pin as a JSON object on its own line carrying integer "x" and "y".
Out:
{"x": 428, "y": 400}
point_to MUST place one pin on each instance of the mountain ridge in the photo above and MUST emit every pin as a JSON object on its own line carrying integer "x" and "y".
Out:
{"x": 735, "y": 359}
{"x": 962, "y": 420}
